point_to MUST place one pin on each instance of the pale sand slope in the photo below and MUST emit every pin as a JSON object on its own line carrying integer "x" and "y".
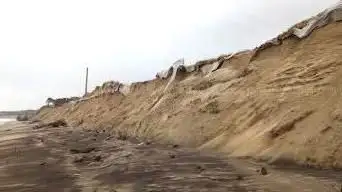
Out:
{"x": 285, "y": 104}
{"x": 74, "y": 159}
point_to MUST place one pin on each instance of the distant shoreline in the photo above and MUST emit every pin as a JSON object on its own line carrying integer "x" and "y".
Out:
{"x": 14, "y": 115}
{"x": 8, "y": 117}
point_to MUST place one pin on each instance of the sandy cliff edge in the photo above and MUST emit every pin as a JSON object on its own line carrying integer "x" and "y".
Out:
{"x": 278, "y": 102}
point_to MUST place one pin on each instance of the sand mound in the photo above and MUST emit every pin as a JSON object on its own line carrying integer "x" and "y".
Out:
{"x": 275, "y": 102}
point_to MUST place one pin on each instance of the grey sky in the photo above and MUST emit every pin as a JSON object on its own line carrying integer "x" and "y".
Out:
{"x": 45, "y": 45}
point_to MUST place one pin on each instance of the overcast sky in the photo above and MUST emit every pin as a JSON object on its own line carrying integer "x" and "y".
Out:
{"x": 45, "y": 45}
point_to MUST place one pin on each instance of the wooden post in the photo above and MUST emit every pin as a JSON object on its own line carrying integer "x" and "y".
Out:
{"x": 86, "y": 83}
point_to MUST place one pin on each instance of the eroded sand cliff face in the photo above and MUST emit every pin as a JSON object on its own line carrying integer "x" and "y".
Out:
{"x": 278, "y": 102}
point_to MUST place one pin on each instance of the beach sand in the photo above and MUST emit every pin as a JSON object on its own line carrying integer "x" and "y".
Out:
{"x": 75, "y": 159}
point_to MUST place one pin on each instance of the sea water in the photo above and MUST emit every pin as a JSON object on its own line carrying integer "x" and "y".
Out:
{"x": 4, "y": 120}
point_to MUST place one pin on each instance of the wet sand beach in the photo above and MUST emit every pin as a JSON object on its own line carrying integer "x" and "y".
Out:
{"x": 76, "y": 159}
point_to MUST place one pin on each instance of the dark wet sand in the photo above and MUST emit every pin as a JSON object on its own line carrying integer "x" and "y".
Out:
{"x": 73, "y": 159}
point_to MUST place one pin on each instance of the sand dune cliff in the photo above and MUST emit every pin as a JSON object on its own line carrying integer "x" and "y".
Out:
{"x": 280, "y": 101}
